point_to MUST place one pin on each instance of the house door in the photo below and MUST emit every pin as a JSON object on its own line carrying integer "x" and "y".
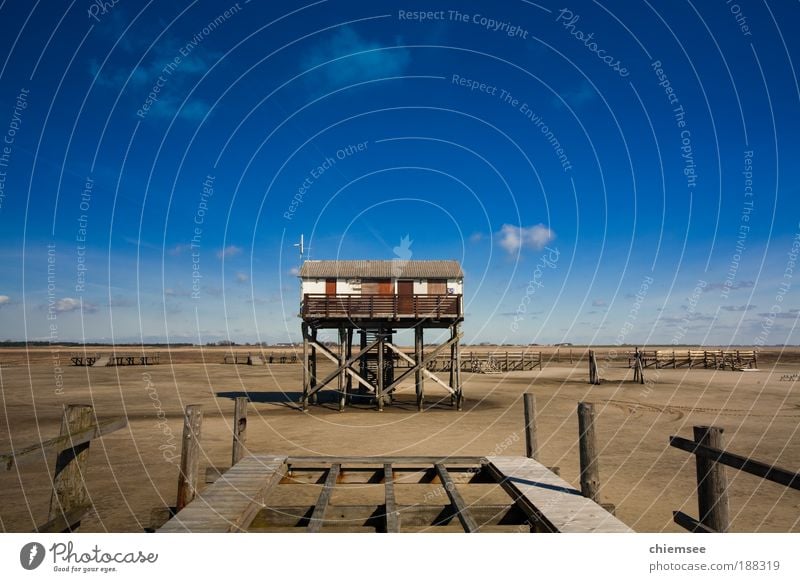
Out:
{"x": 405, "y": 297}
{"x": 330, "y": 286}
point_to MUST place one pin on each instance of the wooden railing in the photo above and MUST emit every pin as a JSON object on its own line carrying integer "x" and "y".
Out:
{"x": 712, "y": 483}
{"x": 381, "y": 306}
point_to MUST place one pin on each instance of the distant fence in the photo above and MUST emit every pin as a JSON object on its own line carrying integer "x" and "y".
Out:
{"x": 98, "y": 360}
{"x": 715, "y": 359}
{"x": 70, "y": 501}
{"x": 261, "y": 359}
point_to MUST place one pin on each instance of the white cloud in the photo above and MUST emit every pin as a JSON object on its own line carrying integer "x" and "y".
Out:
{"x": 67, "y": 304}
{"x": 4, "y": 300}
{"x": 599, "y": 303}
{"x": 242, "y": 277}
{"x": 294, "y": 271}
{"x": 514, "y": 238}
{"x": 229, "y": 251}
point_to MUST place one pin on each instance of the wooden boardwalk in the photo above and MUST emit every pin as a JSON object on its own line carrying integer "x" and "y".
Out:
{"x": 529, "y": 497}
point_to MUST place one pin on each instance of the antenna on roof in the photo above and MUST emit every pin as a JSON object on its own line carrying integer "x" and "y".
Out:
{"x": 300, "y": 245}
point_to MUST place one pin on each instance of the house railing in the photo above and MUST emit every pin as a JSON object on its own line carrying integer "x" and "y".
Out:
{"x": 381, "y": 306}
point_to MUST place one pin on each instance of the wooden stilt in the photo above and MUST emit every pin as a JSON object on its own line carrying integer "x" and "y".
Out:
{"x": 306, "y": 366}
{"x": 239, "y": 429}
{"x": 342, "y": 381}
{"x": 531, "y": 440}
{"x": 190, "y": 456}
{"x": 69, "y": 488}
{"x": 590, "y": 472}
{"x": 418, "y": 354}
{"x": 381, "y": 374}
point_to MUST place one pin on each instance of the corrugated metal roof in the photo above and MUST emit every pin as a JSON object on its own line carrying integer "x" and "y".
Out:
{"x": 392, "y": 269}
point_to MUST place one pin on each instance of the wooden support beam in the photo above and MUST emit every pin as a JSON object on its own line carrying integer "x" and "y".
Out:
{"x": 315, "y": 524}
{"x": 466, "y": 519}
{"x": 306, "y": 366}
{"x": 419, "y": 383}
{"x": 531, "y": 440}
{"x": 341, "y": 375}
{"x": 190, "y": 455}
{"x": 590, "y": 471}
{"x": 689, "y": 523}
{"x": 69, "y": 486}
{"x": 380, "y": 372}
{"x": 347, "y": 365}
{"x": 65, "y": 522}
{"x": 712, "y": 483}
{"x": 392, "y": 516}
{"x": 757, "y": 468}
{"x": 239, "y": 429}
{"x": 73, "y": 439}
{"x": 431, "y": 356}
{"x": 428, "y": 373}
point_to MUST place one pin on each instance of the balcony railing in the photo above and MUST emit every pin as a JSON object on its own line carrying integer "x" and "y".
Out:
{"x": 381, "y": 306}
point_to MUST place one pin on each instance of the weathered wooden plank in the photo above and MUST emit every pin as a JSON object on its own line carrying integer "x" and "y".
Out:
{"x": 467, "y": 521}
{"x": 76, "y": 438}
{"x": 315, "y": 523}
{"x": 392, "y": 517}
{"x": 232, "y": 501}
{"x": 757, "y": 468}
{"x": 551, "y": 503}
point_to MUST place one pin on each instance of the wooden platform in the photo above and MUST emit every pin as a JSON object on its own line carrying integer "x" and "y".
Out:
{"x": 272, "y": 493}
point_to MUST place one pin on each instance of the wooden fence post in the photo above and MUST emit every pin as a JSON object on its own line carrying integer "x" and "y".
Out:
{"x": 590, "y": 471}
{"x": 594, "y": 377}
{"x": 69, "y": 487}
{"x": 712, "y": 484}
{"x": 531, "y": 440}
{"x": 190, "y": 456}
{"x": 239, "y": 429}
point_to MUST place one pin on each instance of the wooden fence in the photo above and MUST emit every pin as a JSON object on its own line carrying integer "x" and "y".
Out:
{"x": 709, "y": 359}
{"x": 69, "y": 503}
{"x": 98, "y": 360}
{"x": 712, "y": 483}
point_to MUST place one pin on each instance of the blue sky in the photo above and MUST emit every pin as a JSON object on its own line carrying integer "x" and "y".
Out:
{"x": 606, "y": 172}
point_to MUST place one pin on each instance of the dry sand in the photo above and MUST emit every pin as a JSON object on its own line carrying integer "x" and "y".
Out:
{"x": 133, "y": 470}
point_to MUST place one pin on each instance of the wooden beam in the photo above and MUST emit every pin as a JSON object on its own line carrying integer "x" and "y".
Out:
{"x": 757, "y": 468}
{"x": 74, "y": 439}
{"x": 712, "y": 483}
{"x": 590, "y": 472}
{"x": 431, "y": 355}
{"x": 380, "y": 461}
{"x": 315, "y": 523}
{"x": 392, "y": 517}
{"x": 65, "y": 522}
{"x": 428, "y": 373}
{"x": 531, "y": 439}
{"x": 69, "y": 486}
{"x": 689, "y": 523}
{"x": 190, "y": 455}
{"x": 467, "y": 521}
{"x": 339, "y": 366}
{"x": 419, "y": 383}
{"x": 239, "y": 429}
